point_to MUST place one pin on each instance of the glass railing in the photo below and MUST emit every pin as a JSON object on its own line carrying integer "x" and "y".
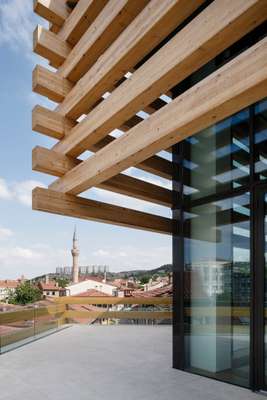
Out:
{"x": 25, "y": 324}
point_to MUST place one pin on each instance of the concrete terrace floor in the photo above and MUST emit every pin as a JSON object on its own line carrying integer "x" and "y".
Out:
{"x": 105, "y": 362}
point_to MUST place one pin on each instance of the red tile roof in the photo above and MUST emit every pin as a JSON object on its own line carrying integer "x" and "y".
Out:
{"x": 92, "y": 293}
{"x": 9, "y": 284}
{"x": 49, "y": 286}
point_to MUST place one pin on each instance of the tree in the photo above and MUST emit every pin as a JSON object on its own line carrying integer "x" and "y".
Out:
{"x": 144, "y": 279}
{"x": 62, "y": 282}
{"x": 25, "y": 293}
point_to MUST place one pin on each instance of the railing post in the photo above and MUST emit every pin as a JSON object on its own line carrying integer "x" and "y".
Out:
{"x": 34, "y": 319}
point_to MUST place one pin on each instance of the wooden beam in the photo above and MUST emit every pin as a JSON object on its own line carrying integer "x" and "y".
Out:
{"x": 158, "y": 166}
{"x": 239, "y": 83}
{"x": 147, "y": 30}
{"x": 61, "y": 88}
{"x": 80, "y": 19}
{"x": 50, "y": 162}
{"x": 48, "y": 45}
{"x": 77, "y": 207}
{"x": 49, "y": 84}
{"x": 154, "y": 165}
{"x": 103, "y": 314}
{"x": 139, "y": 189}
{"x": 196, "y": 44}
{"x": 113, "y": 300}
{"x": 54, "y": 28}
{"x": 50, "y": 123}
{"x": 54, "y": 125}
{"x": 54, "y": 11}
{"x": 106, "y": 28}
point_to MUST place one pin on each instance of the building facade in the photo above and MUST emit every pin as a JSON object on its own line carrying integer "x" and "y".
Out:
{"x": 91, "y": 284}
{"x": 51, "y": 289}
{"x": 220, "y": 245}
{"x": 8, "y": 287}
{"x": 188, "y": 77}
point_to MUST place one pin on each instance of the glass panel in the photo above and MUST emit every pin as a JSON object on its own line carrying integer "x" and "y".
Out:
{"x": 260, "y": 127}
{"x": 217, "y": 289}
{"x": 265, "y": 291}
{"x": 217, "y": 158}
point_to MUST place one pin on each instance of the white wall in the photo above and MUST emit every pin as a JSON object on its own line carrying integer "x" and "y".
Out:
{"x": 90, "y": 284}
{"x": 4, "y": 292}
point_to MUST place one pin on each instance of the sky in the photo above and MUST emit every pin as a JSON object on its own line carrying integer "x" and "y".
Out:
{"x": 31, "y": 242}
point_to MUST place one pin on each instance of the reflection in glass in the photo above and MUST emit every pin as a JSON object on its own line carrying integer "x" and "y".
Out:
{"x": 265, "y": 285}
{"x": 260, "y": 137}
{"x": 217, "y": 158}
{"x": 217, "y": 289}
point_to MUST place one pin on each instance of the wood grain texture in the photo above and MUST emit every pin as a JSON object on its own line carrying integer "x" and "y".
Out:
{"x": 78, "y": 207}
{"x": 217, "y": 27}
{"x": 53, "y": 163}
{"x": 50, "y": 123}
{"x": 54, "y": 125}
{"x": 237, "y": 84}
{"x": 147, "y": 30}
{"x": 86, "y": 11}
{"x": 49, "y": 84}
{"x": 54, "y": 11}
{"x": 143, "y": 315}
{"x": 113, "y": 300}
{"x": 48, "y": 45}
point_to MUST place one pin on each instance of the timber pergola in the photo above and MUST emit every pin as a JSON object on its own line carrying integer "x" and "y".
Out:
{"x": 116, "y": 64}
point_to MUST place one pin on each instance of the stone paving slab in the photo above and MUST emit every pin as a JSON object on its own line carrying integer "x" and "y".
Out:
{"x": 106, "y": 363}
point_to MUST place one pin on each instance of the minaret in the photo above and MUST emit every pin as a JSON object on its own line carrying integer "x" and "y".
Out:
{"x": 75, "y": 258}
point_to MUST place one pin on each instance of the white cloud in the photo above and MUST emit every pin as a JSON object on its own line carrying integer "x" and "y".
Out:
{"x": 4, "y": 190}
{"x": 18, "y": 191}
{"x": 22, "y": 191}
{"x": 101, "y": 253}
{"x": 132, "y": 257}
{"x": 30, "y": 261}
{"x": 5, "y": 233}
{"x": 11, "y": 255}
{"x": 16, "y": 24}
{"x": 109, "y": 254}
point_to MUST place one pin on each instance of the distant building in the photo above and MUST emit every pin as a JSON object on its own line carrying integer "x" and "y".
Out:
{"x": 85, "y": 271}
{"x": 93, "y": 283}
{"x": 8, "y": 286}
{"x": 51, "y": 289}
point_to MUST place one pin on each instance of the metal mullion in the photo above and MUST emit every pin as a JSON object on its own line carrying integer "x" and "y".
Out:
{"x": 258, "y": 290}
{"x": 178, "y": 260}
{"x": 217, "y": 196}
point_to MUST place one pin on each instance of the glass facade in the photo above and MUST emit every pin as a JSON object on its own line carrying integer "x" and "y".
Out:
{"x": 219, "y": 263}
{"x": 265, "y": 289}
{"x": 217, "y": 170}
{"x": 217, "y": 289}
{"x": 217, "y": 159}
{"x": 260, "y": 126}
